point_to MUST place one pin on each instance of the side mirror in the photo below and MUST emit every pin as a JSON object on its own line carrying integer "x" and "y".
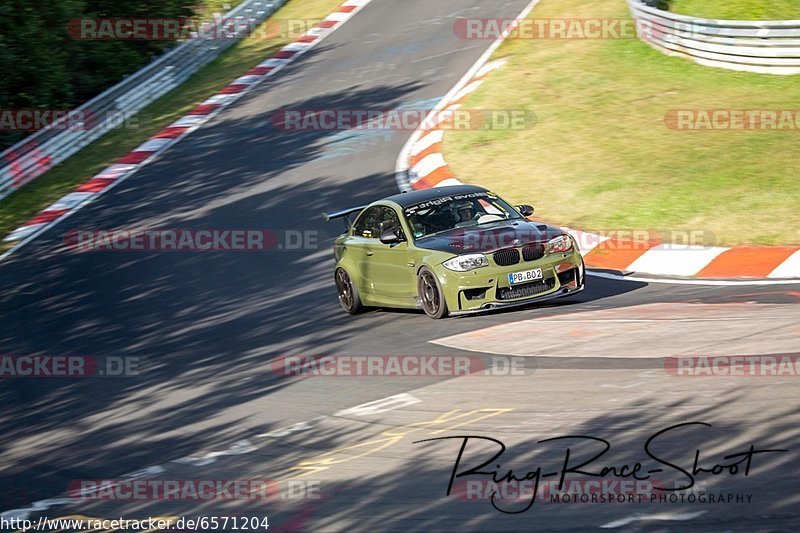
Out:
{"x": 525, "y": 209}
{"x": 391, "y": 236}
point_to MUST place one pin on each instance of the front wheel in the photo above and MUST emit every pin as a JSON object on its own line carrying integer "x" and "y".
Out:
{"x": 348, "y": 294}
{"x": 431, "y": 295}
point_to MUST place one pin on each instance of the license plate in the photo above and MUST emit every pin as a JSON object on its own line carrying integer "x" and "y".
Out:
{"x": 526, "y": 276}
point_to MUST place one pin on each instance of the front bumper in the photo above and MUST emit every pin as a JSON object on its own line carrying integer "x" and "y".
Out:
{"x": 488, "y": 288}
{"x": 519, "y": 303}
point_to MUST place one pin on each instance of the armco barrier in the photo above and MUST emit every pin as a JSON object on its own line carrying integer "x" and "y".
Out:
{"x": 37, "y": 153}
{"x": 765, "y": 47}
{"x": 149, "y": 150}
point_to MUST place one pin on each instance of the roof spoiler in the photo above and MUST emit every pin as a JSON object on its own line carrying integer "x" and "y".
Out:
{"x": 343, "y": 214}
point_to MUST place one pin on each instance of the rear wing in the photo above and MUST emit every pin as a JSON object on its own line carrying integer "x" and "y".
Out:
{"x": 346, "y": 214}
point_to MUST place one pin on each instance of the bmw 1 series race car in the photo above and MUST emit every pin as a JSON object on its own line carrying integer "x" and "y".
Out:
{"x": 451, "y": 251}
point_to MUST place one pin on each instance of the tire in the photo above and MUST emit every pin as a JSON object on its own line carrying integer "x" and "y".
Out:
{"x": 431, "y": 295}
{"x": 348, "y": 293}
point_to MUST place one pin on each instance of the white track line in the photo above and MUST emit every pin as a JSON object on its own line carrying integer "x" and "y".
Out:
{"x": 659, "y": 517}
{"x": 710, "y": 282}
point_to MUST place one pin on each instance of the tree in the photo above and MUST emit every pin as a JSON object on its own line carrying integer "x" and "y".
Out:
{"x": 43, "y": 67}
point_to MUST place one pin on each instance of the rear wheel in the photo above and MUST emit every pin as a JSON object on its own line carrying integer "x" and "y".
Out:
{"x": 348, "y": 294}
{"x": 431, "y": 295}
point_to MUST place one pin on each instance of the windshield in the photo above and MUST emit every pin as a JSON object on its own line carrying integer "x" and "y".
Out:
{"x": 457, "y": 211}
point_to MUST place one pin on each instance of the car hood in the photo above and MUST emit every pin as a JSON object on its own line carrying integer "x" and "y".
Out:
{"x": 488, "y": 238}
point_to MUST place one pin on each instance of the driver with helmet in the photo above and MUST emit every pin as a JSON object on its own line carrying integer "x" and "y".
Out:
{"x": 464, "y": 212}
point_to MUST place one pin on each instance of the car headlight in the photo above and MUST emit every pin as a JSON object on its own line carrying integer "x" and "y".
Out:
{"x": 463, "y": 263}
{"x": 560, "y": 244}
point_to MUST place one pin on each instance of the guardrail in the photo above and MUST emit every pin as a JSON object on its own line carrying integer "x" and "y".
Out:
{"x": 765, "y": 47}
{"x": 37, "y": 153}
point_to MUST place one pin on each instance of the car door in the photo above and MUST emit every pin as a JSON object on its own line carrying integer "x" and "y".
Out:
{"x": 393, "y": 271}
{"x": 362, "y": 244}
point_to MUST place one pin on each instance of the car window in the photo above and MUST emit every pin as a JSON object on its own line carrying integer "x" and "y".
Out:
{"x": 460, "y": 211}
{"x": 368, "y": 223}
{"x": 389, "y": 221}
{"x": 375, "y": 221}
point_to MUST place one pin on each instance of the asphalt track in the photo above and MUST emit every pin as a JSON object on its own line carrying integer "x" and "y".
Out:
{"x": 206, "y": 326}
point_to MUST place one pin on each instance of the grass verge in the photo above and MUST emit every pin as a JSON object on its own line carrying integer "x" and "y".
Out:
{"x": 25, "y": 203}
{"x": 738, "y": 9}
{"x": 601, "y": 157}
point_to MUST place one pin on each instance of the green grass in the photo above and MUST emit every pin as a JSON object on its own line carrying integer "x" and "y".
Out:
{"x": 25, "y": 203}
{"x": 739, "y": 9}
{"x": 600, "y": 156}
{"x": 208, "y": 7}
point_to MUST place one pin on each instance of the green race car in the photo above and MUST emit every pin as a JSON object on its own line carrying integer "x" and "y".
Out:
{"x": 451, "y": 251}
